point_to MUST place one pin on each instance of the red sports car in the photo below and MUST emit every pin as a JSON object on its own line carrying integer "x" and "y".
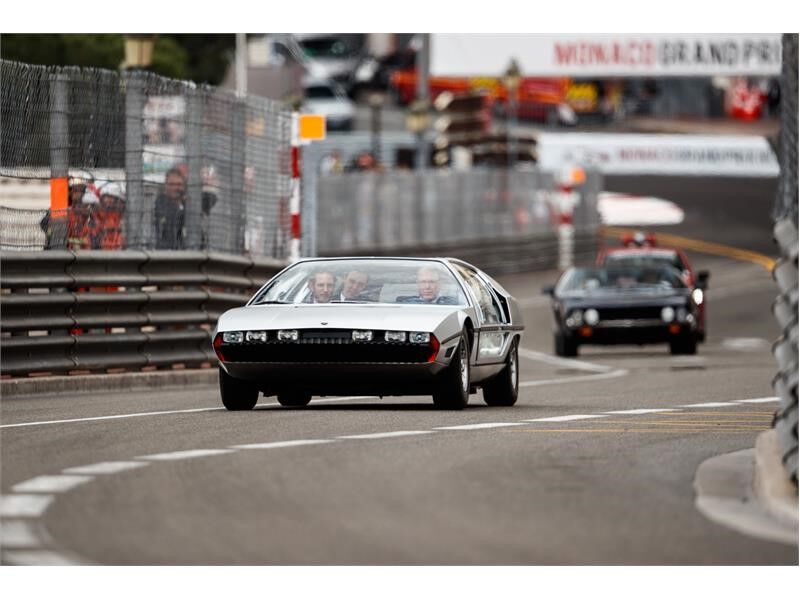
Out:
{"x": 641, "y": 250}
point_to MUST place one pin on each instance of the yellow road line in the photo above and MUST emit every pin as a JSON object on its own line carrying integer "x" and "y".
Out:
{"x": 685, "y": 243}
{"x": 724, "y": 414}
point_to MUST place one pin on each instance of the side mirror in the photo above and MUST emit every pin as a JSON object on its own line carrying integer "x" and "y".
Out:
{"x": 548, "y": 290}
{"x": 702, "y": 279}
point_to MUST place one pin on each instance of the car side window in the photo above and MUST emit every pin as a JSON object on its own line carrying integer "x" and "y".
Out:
{"x": 492, "y": 312}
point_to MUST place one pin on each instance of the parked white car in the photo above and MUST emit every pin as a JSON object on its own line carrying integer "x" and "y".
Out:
{"x": 328, "y": 98}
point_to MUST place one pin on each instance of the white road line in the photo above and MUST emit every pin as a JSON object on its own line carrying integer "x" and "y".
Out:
{"x": 24, "y": 505}
{"x": 707, "y": 405}
{"x": 757, "y": 400}
{"x": 386, "y": 434}
{"x": 287, "y": 444}
{"x": 566, "y": 418}
{"x": 167, "y": 412}
{"x": 18, "y": 534}
{"x": 37, "y": 558}
{"x": 181, "y": 454}
{"x": 568, "y": 363}
{"x": 477, "y": 426}
{"x": 639, "y": 411}
{"x": 575, "y": 379}
{"x": 51, "y": 484}
{"x": 105, "y": 468}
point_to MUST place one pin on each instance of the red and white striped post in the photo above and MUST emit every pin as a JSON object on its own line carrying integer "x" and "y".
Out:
{"x": 294, "y": 199}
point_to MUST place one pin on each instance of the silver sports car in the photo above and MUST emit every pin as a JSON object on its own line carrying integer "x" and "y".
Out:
{"x": 373, "y": 326}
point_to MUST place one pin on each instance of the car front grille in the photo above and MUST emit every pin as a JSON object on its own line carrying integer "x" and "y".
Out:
{"x": 629, "y": 313}
{"x": 327, "y": 346}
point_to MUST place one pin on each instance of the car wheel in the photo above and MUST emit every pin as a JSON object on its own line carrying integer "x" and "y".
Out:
{"x": 565, "y": 346}
{"x": 294, "y": 399}
{"x": 503, "y": 388}
{"x": 236, "y": 394}
{"x": 686, "y": 345}
{"x": 453, "y": 388}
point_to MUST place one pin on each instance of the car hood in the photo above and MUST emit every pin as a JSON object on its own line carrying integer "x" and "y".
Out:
{"x": 338, "y": 316}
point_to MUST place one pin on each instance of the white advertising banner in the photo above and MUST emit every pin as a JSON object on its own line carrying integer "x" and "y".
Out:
{"x": 607, "y": 55}
{"x": 630, "y": 154}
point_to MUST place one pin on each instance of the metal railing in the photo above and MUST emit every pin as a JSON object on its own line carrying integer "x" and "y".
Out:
{"x": 785, "y": 272}
{"x": 66, "y": 311}
{"x": 194, "y": 166}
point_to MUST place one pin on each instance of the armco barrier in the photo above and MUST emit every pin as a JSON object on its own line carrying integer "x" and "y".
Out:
{"x": 66, "y": 311}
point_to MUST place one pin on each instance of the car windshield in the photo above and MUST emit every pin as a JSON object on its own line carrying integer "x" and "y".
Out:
{"x": 627, "y": 259}
{"x": 328, "y": 47}
{"x": 347, "y": 281}
{"x": 588, "y": 280}
{"x": 319, "y": 92}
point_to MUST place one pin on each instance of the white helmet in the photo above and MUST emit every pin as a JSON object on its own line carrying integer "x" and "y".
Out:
{"x": 113, "y": 188}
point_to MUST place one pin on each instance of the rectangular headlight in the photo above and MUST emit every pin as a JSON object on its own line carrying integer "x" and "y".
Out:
{"x": 256, "y": 336}
{"x": 233, "y": 337}
{"x": 287, "y": 335}
{"x": 395, "y": 336}
{"x": 419, "y": 337}
{"x": 362, "y": 336}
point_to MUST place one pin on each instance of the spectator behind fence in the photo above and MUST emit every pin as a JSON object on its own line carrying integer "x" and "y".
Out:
{"x": 63, "y": 228}
{"x": 169, "y": 211}
{"x": 109, "y": 235}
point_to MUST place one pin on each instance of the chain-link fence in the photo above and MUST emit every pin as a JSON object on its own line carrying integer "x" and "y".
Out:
{"x": 403, "y": 209}
{"x": 166, "y": 164}
{"x": 785, "y": 272}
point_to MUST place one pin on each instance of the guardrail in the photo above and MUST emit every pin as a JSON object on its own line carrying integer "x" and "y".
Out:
{"x": 67, "y": 311}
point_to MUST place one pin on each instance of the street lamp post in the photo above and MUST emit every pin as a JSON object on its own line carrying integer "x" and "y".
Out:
{"x": 376, "y": 101}
{"x": 138, "y": 56}
{"x": 417, "y": 121}
{"x": 512, "y": 79}
{"x": 139, "y": 50}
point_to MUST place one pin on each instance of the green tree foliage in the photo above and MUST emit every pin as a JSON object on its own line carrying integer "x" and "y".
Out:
{"x": 197, "y": 57}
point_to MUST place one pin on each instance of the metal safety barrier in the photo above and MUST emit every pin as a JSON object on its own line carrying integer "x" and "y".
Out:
{"x": 785, "y": 272}
{"x": 66, "y": 311}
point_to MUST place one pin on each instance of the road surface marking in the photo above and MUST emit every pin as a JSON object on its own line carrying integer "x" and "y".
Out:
{"x": 168, "y": 412}
{"x": 575, "y": 379}
{"x": 708, "y": 405}
{"x": 758, "y": 400}
{"x": 387, "y": 434}
{"x": 286, "y": 444}
{"x": 695, "y": 424}
{"x": 565, "y": 418}
{"x": 105, "y": 468}
{"x": 37, "y": 558}
{"x": 18, "y": 534}
{"x": 745, "y": 344}
{"x": 569, "y": 363}
{"x": 52, "y": 484}
{"x": 477, "y": 426}
{"x": 24, "y": 505}
{"x": 181, "y": 454}
{"x": 640, "y": 411}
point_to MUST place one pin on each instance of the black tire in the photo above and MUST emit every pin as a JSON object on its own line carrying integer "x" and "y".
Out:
{"x": 503, "y": 388}
{"x": 236, "y": 394}
{"x": 452, "y": 392}
{"x": 294, "y": 399}
{"x": 564, "y": 346}
{"x": 685, "y": 345}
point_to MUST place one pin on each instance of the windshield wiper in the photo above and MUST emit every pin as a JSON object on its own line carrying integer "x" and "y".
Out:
{"x": 348, "y": 302}
{"x": 270, "y": 302}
